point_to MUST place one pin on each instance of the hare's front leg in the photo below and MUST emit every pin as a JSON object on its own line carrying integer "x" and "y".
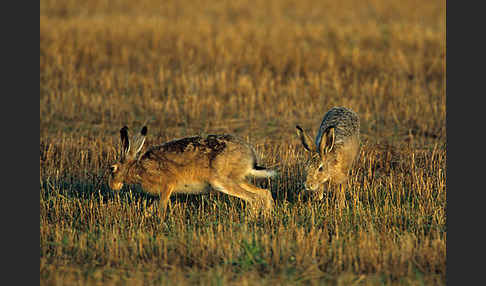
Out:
{"x": 165, "y": 193}
{"x": 341, "y": 196}
{"x": 164, "y": 196}
{"x": 319, "y": 194}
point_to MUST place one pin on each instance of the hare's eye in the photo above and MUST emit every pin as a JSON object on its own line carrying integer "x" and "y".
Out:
{"x": 113, "y": 168}
{"x": 320, "y": 169}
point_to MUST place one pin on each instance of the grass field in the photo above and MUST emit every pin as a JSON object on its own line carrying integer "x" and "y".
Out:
{"x": 254, "y": 69}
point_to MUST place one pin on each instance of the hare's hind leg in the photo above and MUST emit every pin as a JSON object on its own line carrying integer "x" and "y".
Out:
{"x": 231, "y": 188}
{"x": 264, "y": 194}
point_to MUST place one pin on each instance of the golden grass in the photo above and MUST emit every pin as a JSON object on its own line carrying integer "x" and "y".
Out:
{"x": 255, "y": 69}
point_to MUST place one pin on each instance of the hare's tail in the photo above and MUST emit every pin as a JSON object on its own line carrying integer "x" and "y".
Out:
{"x": 262, "y": 172}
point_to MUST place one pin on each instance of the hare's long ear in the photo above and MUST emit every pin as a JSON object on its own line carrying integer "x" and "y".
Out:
{"x": 125, "y": 141}
{"x": 306, "y": 140}
{"x": 327, "y": 141}
{"x": 138, "y": 143}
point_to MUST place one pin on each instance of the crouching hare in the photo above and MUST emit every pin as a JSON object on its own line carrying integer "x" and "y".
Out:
{"x": 335, "y": 149}
{"x": 190, "y": 165}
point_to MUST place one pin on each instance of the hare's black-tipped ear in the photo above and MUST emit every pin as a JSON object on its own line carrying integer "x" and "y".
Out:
{"x": 137, "y": 143}
{"x": 140, "y": 139}
{"x": 327, "y": 141}
{"x": 305, "y": 139}
{"x": 124, "y": 140}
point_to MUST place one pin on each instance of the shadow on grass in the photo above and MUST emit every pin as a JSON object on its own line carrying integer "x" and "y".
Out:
{"x": 93, "y": 188}
{"x": 287, "y": 185}
{"x": 97, "y": 189}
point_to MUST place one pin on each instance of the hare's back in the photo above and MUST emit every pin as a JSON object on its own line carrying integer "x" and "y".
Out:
{"x": 210, "y": 146}
{"x": 345, "y": 122}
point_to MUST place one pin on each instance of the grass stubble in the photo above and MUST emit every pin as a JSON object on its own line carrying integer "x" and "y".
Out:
{"x": 253, "y": 69}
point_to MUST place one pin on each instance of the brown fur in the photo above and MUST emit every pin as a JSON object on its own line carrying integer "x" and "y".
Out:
{"x": 333, "y": 153}
{"x": 193, "y": 165}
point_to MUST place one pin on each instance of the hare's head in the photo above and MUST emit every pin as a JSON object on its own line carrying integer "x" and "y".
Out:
{"x": 322, "y": 162}
{"x": 129, "y": 154}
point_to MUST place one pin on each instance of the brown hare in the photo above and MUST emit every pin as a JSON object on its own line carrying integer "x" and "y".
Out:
{"x": 190, "y": 165}
{"x": 334, "y": 151}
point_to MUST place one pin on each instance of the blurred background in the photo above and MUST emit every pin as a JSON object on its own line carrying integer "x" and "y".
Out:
{"x": 254, "y": 67}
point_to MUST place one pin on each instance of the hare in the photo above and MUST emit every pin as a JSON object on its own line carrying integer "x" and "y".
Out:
{"x": 190, "y": 165}
{"x": 335, "y": 149}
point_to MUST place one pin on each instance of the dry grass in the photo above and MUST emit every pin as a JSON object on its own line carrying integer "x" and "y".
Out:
{"x": 255, "y": 69}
